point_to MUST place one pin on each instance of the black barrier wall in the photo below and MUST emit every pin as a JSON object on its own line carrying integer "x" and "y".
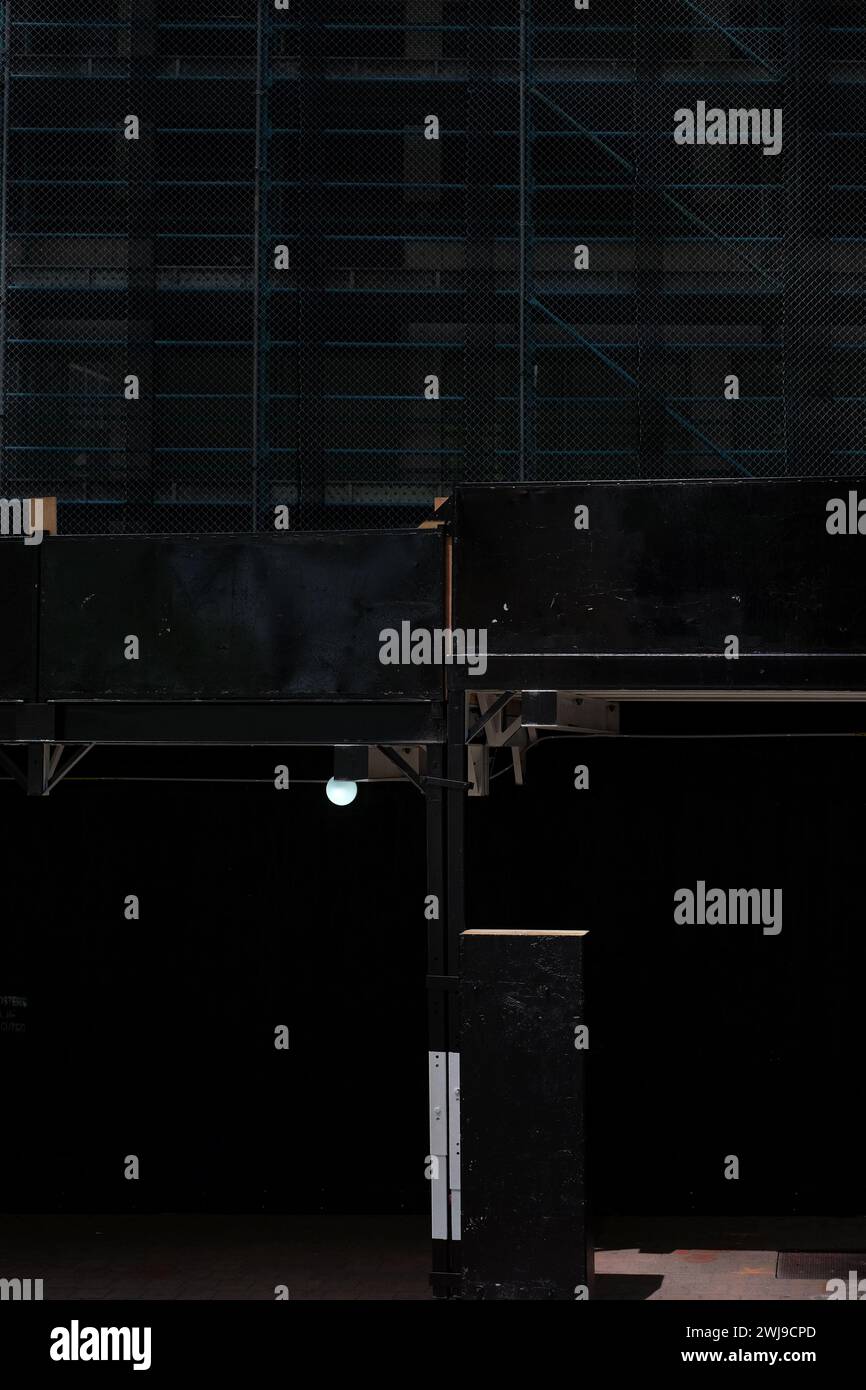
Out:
{"x": 673, "y": 587}
{"x": 670, "y": 586}
{"x": 156, "y": 1036}
{"x": 705, "y": 1040}
{"x": 218, "y": 617}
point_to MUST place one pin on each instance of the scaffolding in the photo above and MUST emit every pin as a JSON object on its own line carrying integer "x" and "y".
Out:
{"x": 308, "y": 264}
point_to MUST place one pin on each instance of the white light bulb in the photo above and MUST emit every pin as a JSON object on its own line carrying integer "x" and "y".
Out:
{"x": 342, "y": 793}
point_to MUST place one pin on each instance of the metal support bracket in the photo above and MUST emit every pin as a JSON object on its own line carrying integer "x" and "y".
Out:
{"x": 42, "y": 769}
{"x": 498, "y": 704}
{"x": 479, "y": 769}
{"x": 568, "y": 710}
{"x": 406, "y": 768}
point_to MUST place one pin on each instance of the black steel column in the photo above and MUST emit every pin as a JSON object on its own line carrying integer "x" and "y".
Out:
{"x": 445, "y": 888}
{"x": 523, "y": 1116}
{"x": 455, "y": 918}
{"x": 456, "y": 817}
{"x": 4, "y": 181}
{"x": 438, "y": 995}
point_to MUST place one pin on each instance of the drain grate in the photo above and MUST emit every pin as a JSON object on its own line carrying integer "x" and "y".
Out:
{"x": 813, "y": 1264}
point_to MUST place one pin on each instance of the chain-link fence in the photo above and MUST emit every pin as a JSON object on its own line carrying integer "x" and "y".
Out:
{"x": 694, "y": 171}
{"x": 334, "y": 258}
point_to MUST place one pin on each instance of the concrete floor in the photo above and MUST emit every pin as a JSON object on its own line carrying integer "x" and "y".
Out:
{"x": 695, "y": 1259}
{"x": 387, "y": 1258}
{"x": 219, "y": 1257}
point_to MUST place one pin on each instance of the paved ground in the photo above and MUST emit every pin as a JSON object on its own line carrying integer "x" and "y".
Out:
{"x": 697, "y": 1260}
{"x": 214, "y": 1257}
{"x": 386, "y": 1258}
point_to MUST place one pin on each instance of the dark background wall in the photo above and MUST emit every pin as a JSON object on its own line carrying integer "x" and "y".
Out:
{"x": 156, "y": 1037}
{"x": 259, "y": 907}
{"x": 706, "y": 1041}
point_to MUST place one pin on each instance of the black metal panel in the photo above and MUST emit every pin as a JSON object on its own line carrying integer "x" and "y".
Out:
{"x": 648, "y": 595}
{"x": 19, "y": 571}
{"x": 233, "y": 617}
{"x": 278, "y": 724}
{"x": 522, "y": 1101}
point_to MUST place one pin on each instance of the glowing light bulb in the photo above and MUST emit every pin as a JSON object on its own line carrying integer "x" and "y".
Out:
{"x": 340, "y": 792}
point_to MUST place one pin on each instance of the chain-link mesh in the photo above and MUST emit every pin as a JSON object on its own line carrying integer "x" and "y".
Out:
{"x": 694, "y": 308}
{"x": 359, "y": 251}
